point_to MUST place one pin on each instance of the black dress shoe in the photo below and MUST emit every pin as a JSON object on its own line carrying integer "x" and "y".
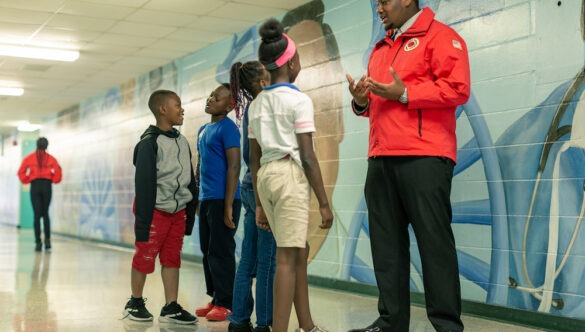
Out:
{"x": 367, "y": 329}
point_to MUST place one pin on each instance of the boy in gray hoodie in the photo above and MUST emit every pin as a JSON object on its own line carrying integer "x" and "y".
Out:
{"x": 164, "y": 207}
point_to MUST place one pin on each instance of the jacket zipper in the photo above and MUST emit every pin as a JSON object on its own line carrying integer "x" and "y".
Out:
{"x": 419, "y": 110}
{"x": 178, "y": 176}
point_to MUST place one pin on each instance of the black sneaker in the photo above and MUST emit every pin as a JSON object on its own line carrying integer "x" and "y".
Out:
{"x": 244, "y": 327}
{"x": 136, "y": 310}
{"x": 39, "y": 246}
{"x": 262, "y": 329}
{"x": 174, "y": 313}
{"x": 48, "y": 245}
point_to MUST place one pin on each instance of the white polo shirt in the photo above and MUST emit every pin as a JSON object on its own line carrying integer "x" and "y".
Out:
{"x": 276, "y": 116}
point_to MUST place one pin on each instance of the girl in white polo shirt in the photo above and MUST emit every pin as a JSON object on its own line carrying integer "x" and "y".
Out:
{"x": 284, "y": 169}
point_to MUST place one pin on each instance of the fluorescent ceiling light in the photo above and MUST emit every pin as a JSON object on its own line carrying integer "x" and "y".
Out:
{"x": 28, "y": 127}
{"x": 38, "y": 53}
{"x": 11, "y": 91}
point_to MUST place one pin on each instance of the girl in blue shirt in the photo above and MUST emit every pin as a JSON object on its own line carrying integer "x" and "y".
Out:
{"x": 218, "y": 143}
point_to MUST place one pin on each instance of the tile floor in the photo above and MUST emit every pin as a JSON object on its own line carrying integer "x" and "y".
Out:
{"x": 82, "y": 287}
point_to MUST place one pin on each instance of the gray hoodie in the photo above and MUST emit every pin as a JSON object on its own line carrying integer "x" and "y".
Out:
{"x": 164, "y": 178}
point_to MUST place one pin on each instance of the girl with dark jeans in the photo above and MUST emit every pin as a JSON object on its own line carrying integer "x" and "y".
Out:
{"x": 258, "y": 259}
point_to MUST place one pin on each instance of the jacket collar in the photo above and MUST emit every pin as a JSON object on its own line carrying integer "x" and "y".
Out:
{"x": 420, "y": 27}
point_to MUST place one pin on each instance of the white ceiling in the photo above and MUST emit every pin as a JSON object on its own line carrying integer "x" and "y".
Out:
{"x": 117, "y": 39}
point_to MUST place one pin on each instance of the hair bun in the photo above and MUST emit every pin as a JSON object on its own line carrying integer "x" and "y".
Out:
{"x": 271, "y": 31}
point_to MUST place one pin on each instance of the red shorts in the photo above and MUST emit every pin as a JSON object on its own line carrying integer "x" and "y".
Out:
{"x": 165, "y": 238}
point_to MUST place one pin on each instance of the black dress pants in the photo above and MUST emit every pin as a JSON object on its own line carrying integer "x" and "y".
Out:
{"x": 415, "y": 190}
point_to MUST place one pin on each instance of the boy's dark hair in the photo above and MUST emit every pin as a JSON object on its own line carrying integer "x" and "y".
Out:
{"x": 158, "y": 98}
{"x": 273, "y": 42}
{"x": 242, "y": 78}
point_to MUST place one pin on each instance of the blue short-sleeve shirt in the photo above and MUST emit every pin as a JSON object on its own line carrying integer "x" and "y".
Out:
{"x": 213, "y": 140}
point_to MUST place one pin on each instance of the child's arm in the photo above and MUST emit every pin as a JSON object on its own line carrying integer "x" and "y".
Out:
{"x": 192, "y": 205}
{"x": 255, "y": 155}
{"x": 145, "y": 187}
{"x": 231, "y": 184}
{"x": 313, "y": 173}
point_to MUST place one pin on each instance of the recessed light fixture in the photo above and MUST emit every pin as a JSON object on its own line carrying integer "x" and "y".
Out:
{"x": 27, "y": 126}
{"x": 38, "y": 53}
{"x": 4, "y": 91}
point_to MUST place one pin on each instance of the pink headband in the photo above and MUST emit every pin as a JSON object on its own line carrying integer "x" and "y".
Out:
{"x": 290, "y": 51}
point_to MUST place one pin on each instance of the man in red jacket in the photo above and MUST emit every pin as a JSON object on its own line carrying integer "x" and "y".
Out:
{"x": 41, "y": 170}
{"x": 417, "y": 76}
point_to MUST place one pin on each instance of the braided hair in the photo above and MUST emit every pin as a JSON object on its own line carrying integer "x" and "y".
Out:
{"x": 42, "y": 144}
{"x": 242, "y": 78}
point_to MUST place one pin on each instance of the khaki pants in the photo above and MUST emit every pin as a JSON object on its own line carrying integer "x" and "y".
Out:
{"x": 284, "y": 193}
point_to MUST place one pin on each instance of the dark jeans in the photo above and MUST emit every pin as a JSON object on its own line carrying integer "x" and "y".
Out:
{"x": 218, "y": 247}
{"x": 415, "y": 190}
{"x": 258, "y": 260}
{"x": 40, "y": 196}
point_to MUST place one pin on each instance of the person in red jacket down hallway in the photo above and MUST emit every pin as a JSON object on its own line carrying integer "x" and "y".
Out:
{"x": 41, "y": 170}
{"x": 417, "y": 75}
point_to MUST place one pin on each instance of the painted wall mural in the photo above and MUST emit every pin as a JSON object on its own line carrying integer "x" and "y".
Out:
{"x": 518, "y": 191}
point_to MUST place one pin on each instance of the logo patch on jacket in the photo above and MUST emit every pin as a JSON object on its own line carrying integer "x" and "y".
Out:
{"x": 411, "y": 45}
{"x": 457, "y": 45}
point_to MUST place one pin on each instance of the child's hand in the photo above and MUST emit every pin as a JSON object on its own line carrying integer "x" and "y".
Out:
{"x": 261, "y": 220}
{"x": 228, "y": 217}
{"x": 327, "y": 217}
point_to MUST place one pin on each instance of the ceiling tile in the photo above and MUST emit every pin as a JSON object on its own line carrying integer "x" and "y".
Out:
{"x": 107, "y": 48}
{"x": 199, "y": 35}
{"x": 96, "y": 10}
{"x": 35, "y": 5}
{"x": 67, "y": 36}
{"x": 124, "y": 40}
{"x": 178, "y": 45}
{"x": 219, "y": 24}
{"x": 282, "y": 4}
{"x": 125, "y": 3}
{"x": 23, "y": 16}
{"x": 197, "y": 7}
{"x": 245, "y": 12}
{"x": 16, "y": 33}
{"x": 161, "y": 18}
{"x": 80, "y": 22}
{"x": 139, "y": 29}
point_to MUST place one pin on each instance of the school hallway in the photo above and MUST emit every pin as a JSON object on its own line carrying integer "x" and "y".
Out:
{"x": 83, "y": 286}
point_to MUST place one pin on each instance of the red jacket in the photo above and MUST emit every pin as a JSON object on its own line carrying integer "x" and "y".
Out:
{"x": 432, "y": 61}
{"x": 29, "y": 169}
